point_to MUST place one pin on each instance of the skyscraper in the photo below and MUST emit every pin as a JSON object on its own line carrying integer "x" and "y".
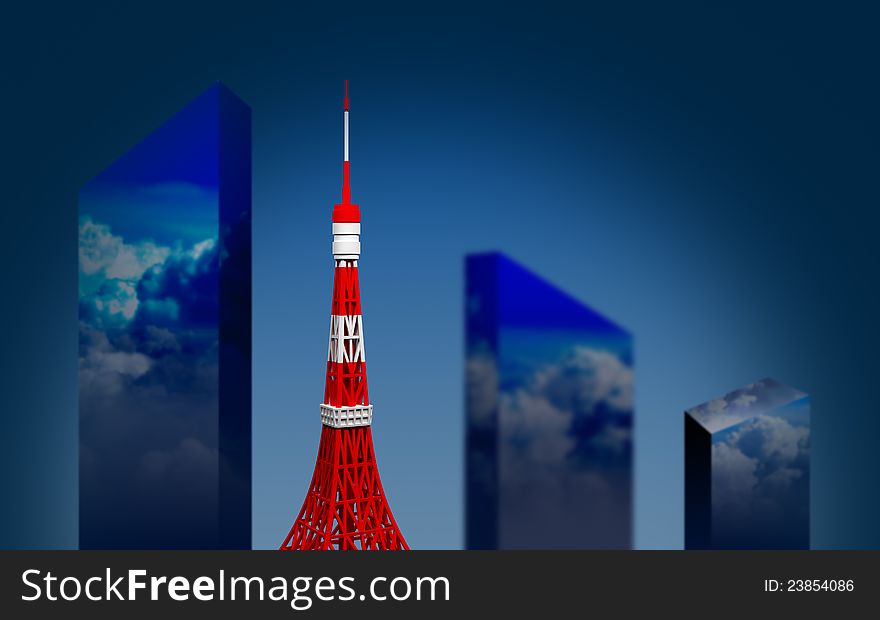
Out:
{"x": 747, "y": 470}
{"x": 549, "y": 415}
{"x": 165, "y": 337}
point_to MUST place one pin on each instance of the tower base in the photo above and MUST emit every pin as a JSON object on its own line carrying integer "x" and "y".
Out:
{"x": 345, "y": 507}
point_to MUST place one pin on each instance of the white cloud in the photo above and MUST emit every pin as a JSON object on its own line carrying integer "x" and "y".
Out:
{"x": 481, "y": 375}
{"x": 720, "y": 413}
{"x": 586, "y": 378}
{"x": 780, "y": 480}
{"x": 114, "y": 304}
{"x": 100, "y": 251}
{"x": 119, "y": 268}
{"x": 200, "y": 248}
{"x": 776, "y": 439}
{"x": 561, "y": 437}
{"x": 614, "y": 438}
{"x": 733, "y": 474}
{"x": 103, "y": 369}
{"x": 716, "y": 406}
{"x": 537, "y": 418}
{"x": 759, "y": 460}
{"x": 534, "y": 430}
{"x": 160, "y": 340}
{"x": 744, "y": 400}
{"x": 739, "y": 405}
{"x": 129, "y": 364}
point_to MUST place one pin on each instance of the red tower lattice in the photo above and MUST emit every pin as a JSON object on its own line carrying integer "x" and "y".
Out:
{"x": 345, "y": 507}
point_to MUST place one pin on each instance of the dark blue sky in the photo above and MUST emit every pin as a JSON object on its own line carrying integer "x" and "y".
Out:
{"x": 705, "y": 176}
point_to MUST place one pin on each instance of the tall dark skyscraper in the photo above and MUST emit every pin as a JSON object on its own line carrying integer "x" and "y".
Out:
{"x": 549, "y": 415}
{"x": 165, "y": 337}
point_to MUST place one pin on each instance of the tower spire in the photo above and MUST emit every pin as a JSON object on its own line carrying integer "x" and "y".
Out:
{"x": 346, "y": 179}
{"x": 345, "y": 212}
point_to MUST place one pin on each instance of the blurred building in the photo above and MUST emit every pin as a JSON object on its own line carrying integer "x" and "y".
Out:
{"x": 747, "y": 470}
{"x": 165, "y": 337}
{"x": 549, "y": 401}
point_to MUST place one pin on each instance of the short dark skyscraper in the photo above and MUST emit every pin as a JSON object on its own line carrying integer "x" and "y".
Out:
{"x": 165, "y": 337}
{"x": 747, "y": 470}
{"x": 549, "y": 423}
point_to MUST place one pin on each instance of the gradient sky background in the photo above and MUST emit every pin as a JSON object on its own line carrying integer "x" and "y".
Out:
{"x": 705, "y": 176}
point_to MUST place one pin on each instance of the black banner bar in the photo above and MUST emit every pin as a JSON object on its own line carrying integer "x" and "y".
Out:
{"x": 434, "y": 583}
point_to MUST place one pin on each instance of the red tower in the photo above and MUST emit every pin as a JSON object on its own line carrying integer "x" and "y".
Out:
{"x": 345, "y": 507}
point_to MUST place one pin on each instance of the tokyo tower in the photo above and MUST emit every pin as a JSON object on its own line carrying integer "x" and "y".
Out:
{"x": 345, "y": 507}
